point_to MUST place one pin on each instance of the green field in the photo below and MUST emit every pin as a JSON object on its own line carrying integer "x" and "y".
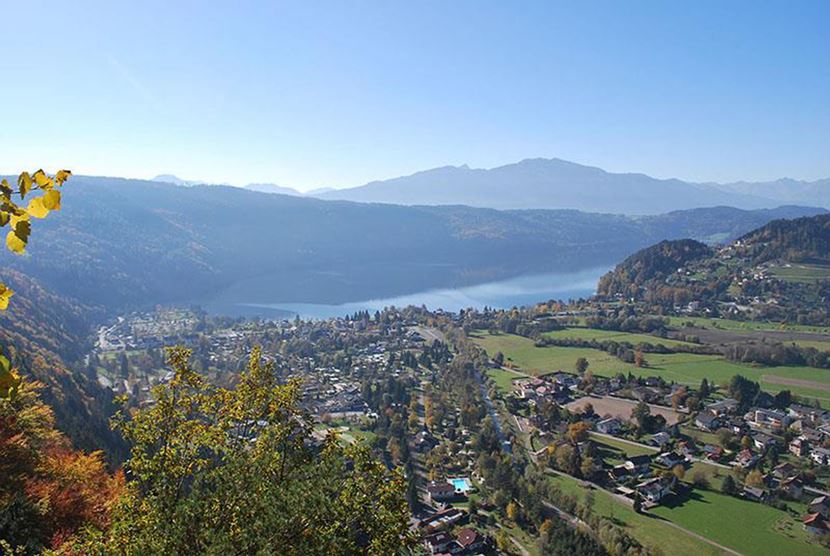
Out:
{"x": 727, "y": 324}
{"x": 648, "y": 530}
{"x": 619, "y": 450}
{"x": 684, "y": 368}
{"x": 801, "y": 273}
{"x": 504, "y": 379}
{"x": 580, "y": 333}
{"x": 748, "y": 527}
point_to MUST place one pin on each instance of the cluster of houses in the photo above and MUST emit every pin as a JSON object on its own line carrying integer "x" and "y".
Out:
{"x": 437, "y": 528}
{"x": 556, "y": 388}
{"x": 466, "y": 541}
{"x": 634, "y": 477}
{"x": 764, "y": 425}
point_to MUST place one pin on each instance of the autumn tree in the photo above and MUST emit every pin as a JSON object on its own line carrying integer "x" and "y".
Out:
{"x": 231, "y": 470}
{"x": 49, "y": 490}
{"x": 578, "y": 432}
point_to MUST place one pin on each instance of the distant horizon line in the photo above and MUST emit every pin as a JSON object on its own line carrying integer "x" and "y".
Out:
{"x": 463, "y": 166}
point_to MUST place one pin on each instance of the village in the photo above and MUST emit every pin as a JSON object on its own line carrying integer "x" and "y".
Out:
{"x": 390, "y": 381}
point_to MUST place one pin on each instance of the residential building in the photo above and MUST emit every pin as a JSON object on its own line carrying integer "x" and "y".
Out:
{"x": 611, "y": 425}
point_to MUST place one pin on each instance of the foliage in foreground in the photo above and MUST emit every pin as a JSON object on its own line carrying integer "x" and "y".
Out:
{"x": 217, "y": 470}
{"x": 18, "y": 219}
{"x": 48, "y": 490}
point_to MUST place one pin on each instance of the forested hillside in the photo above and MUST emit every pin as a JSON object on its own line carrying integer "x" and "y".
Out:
{"x": 126, "y": 243}
{"x": 46, "y": 335}
{"x": 780, "y": 271}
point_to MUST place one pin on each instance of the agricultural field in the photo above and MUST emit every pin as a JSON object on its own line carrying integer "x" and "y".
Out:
{"x": 580, "y": 333}
{"x": 747, "y": 527}
{"x": 648, "y": 530}
{"x": 801, "y": 273}
{"x": 683, "y": 368}
{"x": 728, "y": 324}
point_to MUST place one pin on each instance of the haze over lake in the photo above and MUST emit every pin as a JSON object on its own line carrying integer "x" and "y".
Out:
{"x": 519, "y": 291}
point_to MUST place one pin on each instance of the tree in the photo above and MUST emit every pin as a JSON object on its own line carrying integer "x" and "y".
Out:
{"x": 639, "y": 360}
{"x": 638, "y": 504}
{"x": 700, "y": 479}
{"x": 755, "y": 478}
{"x": 512, "y": 511}
{"x": 19, "y": 221}
{"x": 678, "y": 471}
{"x": 581, "y": 365}
{"x": 587, "y": 467}
{"x": 703, "y": 391}
{"x": 48, "y": 490}
{"x": 641, "y": 413}
{"x": 578, "y": 432}
{"x": 728, "y": 486}
{"x": 231, "y": 470}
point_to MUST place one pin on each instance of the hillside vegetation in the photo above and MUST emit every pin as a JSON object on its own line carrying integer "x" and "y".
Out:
{"x": 780, "y": 271}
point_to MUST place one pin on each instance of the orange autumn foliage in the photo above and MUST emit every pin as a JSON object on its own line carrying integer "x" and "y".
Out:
{"x": 68, "y": 488}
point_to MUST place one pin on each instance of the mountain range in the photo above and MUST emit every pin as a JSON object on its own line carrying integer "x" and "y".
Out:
{"x": 121, "y": 243}
{"x": 559, "y": 184}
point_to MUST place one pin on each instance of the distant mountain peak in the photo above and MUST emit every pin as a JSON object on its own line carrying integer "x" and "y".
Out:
{"x": 273, "y": 188}
{"x": 554, "y": 183}
{"x": 170, "y": 178}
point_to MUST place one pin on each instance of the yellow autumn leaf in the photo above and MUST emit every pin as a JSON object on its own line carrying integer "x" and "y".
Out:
{"x": 62, "y": 176}
{"x": 37, "y": 209}
{"x": 42, "y": 180}
{"x": 16, "y": 218}
{"x": 5, "y": 295}
{"x": 15, "y": 243}
{"x": 52, "y": 200}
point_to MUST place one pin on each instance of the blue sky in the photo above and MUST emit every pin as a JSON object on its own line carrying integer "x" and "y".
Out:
{"x": 310, "y": 94}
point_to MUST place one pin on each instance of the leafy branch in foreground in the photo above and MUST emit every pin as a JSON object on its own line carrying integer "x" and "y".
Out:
{"x": 18, "y": 217}
{"x": 216, "y": 470}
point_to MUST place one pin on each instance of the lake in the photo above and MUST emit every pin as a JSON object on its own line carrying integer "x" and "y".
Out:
{"x": 503, "y": 294}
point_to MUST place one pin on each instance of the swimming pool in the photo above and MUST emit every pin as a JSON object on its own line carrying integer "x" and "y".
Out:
{"x": 461, "y": 484}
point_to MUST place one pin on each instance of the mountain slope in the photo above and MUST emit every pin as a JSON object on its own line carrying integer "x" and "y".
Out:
{"x": 780, "y": 271}
{"x": 120, "y": 243}
{"x": 556, "y": 184}
{"x": 47, "y": 335}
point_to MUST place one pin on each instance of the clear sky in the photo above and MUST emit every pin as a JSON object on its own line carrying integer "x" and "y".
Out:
{"x": 309, "y": 94}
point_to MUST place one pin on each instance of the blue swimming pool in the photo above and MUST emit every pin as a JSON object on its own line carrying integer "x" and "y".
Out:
{"x": 461, "y": 484}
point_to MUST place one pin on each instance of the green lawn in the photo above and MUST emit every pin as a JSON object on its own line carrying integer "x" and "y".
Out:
{"x": 623, "y": 448}
{"x": 748, "y": 527}
{"x": 684, "y": 368}
{"x": 727, "y": 324}
{"x": 580, "y": 333}
{"x": 504, "y": 379}
{"x": 648, "y": 530}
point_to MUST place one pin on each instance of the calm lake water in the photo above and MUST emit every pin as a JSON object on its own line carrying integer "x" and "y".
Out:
{"x": 515, "y": 292}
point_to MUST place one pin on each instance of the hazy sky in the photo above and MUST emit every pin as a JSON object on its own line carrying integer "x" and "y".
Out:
{"x": 310, "y": 94}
